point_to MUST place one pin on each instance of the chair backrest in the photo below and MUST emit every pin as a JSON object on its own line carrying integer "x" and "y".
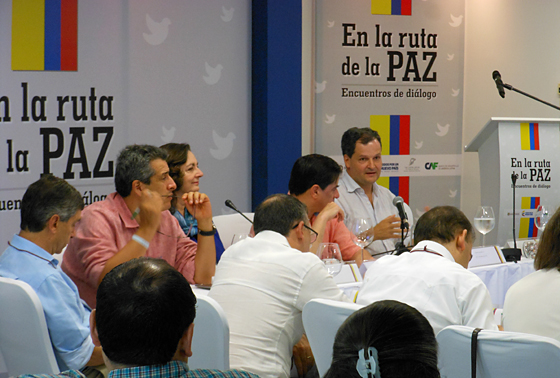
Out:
{"x": 231, "y": 224}
{"x": 210, "y": 344}
{"x": 500, "y": 354}
{"x": 24, "y": 338}
{"x": 321, "y": 320}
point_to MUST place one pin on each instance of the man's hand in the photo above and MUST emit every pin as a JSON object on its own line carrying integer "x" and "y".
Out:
{"x": 332, "y": 210}
{"x": 303, "y": 357}
{"x": 388, "y": 228}
{"x": 150, "y": 213}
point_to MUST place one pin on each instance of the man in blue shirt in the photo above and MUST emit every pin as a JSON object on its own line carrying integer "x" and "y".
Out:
{"x": 49, "y": 210}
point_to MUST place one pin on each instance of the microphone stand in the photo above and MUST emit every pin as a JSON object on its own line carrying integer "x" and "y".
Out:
{"x": 513, "y": 254}
{"x": 511, "y": 88}
{"x": 400, "y": 248}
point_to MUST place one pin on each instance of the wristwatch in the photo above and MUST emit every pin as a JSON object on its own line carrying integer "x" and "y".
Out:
{"x": 208, "y": 233}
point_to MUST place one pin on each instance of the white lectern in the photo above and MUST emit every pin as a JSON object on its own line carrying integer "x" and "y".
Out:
{"x": 530, "y": 147}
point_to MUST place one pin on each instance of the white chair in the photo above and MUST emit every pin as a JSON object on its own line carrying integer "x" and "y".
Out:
{"x": 210, "y": 344}
{"x": 500, "y": 354}
{"x": 24, "y": 338}
{"x": 231, "y": 224}
{"x": 321, "y": 320}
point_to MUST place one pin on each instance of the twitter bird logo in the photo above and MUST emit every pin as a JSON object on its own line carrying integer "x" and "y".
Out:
{"x": 167, "y": 135}
{"x": 456, "y": 21}
{"x": 224, "y": 146}
{"x": 452, "y": 193}
{"x": 329, "y": 119}
{"x": 443, "y": 130}
{"x": 450, "y": 56}
{"x": 213, "y": 74}
{"x": 418, "y": 145}
{"x": 227, "y": 14}
{"x": 330, "y": 24}
{"x": 320, "y": 87}
{"x": 158, "y": 30}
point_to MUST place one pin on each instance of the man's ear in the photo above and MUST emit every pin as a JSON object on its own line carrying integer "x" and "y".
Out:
{"x": 461, "y": 241}
{"x": 93, "y": 329}
{"x": 137, "y": 187}
{"x": 299, "y": 230}
{"x": 346, "y": 161}
{"x": 185, "y": 344}
{"x": 315, "y": 190}
{"x": 53, "y": 223}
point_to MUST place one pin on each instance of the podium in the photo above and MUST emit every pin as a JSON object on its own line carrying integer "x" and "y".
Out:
{"x": 530, "y": 147}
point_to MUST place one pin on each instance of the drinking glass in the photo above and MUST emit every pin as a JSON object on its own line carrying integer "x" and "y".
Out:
{"x": 330, "y": 254}
{"x": 541, "y": 217}
{"x": 238, "y": 237}
{"x": 361, "y": 229}
{"x": 484, "y": 220}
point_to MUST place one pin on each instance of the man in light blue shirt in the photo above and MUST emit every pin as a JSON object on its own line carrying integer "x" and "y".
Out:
{"x": 50, "y": 209}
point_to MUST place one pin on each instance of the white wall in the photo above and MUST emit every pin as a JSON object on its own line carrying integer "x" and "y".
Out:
{"x": 521, "y": 39}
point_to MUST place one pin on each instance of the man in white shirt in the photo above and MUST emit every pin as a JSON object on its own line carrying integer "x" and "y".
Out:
{"x": 433, "y": 276}
{"x": 359, "y": 194}
{"x": 262, "y": 283}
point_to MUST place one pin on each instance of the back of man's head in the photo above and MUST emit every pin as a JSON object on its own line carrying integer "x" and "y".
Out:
{"x": 312, "y": 170}
{"x": 144, "y": 306}
{"x": 442, "y": 224}
{"x": 133, "y": 163}
{"x": 279, "y": 213}
{"x": 353, "y": 135}
{"x": 46, "y": 197}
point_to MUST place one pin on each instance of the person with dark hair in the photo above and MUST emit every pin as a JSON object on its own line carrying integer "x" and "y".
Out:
{"x": 433, "y": 276}
{"x": 184, "y": 170}
{"x": 262, "y": 283}
{"x": 314, "y": 181}
{"x": 530, "y": 305}
{"x": 360, "y": 194}
{"x": 144, "y": 322}
{"x": 387, "y": 339}
{"x": 134, "y": 222}
{"x": 50, "y": 209}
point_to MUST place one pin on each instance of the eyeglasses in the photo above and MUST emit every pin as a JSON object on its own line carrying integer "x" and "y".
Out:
{"x": 314, "y": 233}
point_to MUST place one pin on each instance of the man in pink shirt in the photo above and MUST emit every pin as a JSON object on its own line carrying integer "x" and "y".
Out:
{"x": 314, "y": 181}
{"x": 134, "y": 222}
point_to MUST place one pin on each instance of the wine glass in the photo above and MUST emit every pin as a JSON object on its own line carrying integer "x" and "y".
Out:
{"x": 542, "y": 217}
{"x": 330, "y": 254}
{"x": 484, "y": 220}
{"x": 238, "y": 237}
{"x": 361, "y": 228}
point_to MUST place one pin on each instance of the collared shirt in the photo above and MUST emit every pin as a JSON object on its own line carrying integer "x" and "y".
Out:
{"x": 66, "y": 315}
{"x": 429, "y": 279}
{"x": 262, "y": 284}
{"x": 105, "y": 228}
{"x": 355, "y": 203}
{"x": 173, "y": 369}
{"x": 531, "y": 305}
{"x": 337, "y": 232}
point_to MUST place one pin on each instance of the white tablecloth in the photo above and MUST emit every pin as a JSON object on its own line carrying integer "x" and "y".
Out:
{"x": 500, "y": 277}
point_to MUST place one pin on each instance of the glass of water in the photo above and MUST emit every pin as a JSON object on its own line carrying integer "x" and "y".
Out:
{"x": 484, "y": 220}
{"x": 330, "y": 255}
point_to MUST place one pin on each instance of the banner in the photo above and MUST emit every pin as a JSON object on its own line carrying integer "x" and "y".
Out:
{"x": 396, "y": 67}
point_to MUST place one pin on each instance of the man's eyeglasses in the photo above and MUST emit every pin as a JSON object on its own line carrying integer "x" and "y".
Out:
{"x": 314, "y": 233}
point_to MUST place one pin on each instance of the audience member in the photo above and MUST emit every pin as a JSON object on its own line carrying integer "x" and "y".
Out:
{"x": 386, "y": 339}
{"x": 144, "y": 321}
{"x": 530, "y": 306}
{"x": 360, "y": 194}
{"x": 262, "y": 283}
{"x": 314, "y": 181}
{"x": 134, "y": 222}
{"x": 433, "y": 276}
{"x": 185, "y": 172}
{"x": 50, "y": 209}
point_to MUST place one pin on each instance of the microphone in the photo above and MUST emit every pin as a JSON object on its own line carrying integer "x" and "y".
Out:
{"x": 232, "y": 206}
{"x": 398, "y": 202}
{"x": 499, "y": 84}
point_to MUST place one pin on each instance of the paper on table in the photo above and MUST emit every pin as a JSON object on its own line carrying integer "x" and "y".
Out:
{"x": 486, "y": 256}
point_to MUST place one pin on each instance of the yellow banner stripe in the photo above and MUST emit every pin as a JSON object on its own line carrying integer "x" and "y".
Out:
{"x": 28, "y": 35}
{"x": 525, "y": 202}
{"x": 525, "y": 136}
{"x": 524, "y": 228}
{"x": 380, "y": 6}
{"x": 382, "y": 124}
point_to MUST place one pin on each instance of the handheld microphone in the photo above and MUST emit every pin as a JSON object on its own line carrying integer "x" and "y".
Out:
{"x": 499, "y": 84}
{"x": 398, "y": 202}
{"x": 232, "y": 206}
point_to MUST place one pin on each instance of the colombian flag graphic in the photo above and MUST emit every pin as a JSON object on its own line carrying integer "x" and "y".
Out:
{"x": 527, "y": 226}
{"x": 392, "y": 7}
{"x": 395, "y": 140}
{"x": 45, "y": 35}
{"x": 529, "y": 136}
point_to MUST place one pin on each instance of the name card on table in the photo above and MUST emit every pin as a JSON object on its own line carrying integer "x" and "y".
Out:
{"x": 349, "y": 273}
{"x": 486, "y": 256}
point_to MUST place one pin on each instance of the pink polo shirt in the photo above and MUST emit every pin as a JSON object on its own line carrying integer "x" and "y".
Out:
{"x": 105, "y": 228}
{"x": 337, "y": 232}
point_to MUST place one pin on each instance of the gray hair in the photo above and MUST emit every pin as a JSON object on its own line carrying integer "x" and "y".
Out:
{"x": 279, "y": 212}
{"x": 133, "y": 163}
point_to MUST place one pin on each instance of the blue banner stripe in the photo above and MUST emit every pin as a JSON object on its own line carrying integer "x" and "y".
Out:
{"x": 394, "y": 140}
{"x": 52, "y": 35}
